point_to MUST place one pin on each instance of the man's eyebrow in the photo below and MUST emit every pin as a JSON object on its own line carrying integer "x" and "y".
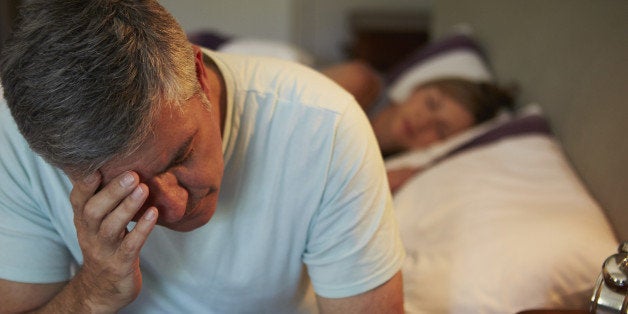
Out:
{"x": 183, "y": 149}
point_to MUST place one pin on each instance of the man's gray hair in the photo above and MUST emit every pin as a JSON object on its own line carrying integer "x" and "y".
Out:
{"x": 84, "y": 80}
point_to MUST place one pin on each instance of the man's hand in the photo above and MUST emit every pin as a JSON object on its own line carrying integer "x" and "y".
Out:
{"x": 110, "y": 276}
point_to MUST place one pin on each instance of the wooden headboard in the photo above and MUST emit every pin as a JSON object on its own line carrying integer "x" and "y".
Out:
{"x": 571, "y": 57}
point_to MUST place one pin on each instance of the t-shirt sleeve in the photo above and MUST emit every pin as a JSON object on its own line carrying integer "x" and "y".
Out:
{"x": 31, "y": 250}
{"x": 354, "y": 245}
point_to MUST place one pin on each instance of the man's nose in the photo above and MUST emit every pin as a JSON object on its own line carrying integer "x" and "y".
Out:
{"x": 168, "y": 196}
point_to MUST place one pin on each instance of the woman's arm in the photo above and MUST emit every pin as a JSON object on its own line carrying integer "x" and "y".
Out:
{"x": 359, "y": 79}
{"x": 398, "y": 177}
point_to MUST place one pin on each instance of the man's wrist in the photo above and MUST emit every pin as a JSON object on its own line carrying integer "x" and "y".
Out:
{"x": 88, "y": 299}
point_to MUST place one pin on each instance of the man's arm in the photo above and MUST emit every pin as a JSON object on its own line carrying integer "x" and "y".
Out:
{"x": 387, "y": 298}
{"x": 110, "y": 277}
{"x": 20, "y": 297}
{"x": 60, "y": 297}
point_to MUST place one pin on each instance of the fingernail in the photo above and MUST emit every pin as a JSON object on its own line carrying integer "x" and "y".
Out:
{"x": 127, "y": 180}
{"x": 150, "y": 214}
{"x": 138, "y": 193}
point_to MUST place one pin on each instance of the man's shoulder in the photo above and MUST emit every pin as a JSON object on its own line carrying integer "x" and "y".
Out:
{"x": 9, "y": 133}
{"x": 17, "y": 160}
{"x": 283, "y": 79}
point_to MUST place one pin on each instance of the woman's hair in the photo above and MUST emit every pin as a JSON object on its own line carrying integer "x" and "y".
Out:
{"x": 483, "y": 100}
{"x": 84, "y": 80}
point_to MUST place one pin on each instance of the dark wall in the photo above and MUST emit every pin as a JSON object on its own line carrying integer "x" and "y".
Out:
{"x": 8, "y": 11}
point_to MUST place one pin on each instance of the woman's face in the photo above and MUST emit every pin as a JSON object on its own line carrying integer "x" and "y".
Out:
{"x": 429, "y": 116}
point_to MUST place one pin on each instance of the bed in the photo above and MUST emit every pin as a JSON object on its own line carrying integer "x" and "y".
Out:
{"x": 519, "y": 212}
{"x": 571, "y": 58}
{"x": 499, "y": 221}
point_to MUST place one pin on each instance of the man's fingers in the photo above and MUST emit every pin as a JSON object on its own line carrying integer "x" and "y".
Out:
{"x": 135, "y": 239}
{"x": 83, "y": 190}
{"x": 115, "y": 222}
{"x": 106, "y": 200}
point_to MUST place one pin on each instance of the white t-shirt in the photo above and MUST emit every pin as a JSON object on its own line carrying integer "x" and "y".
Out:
{"x": 304, "y": 202}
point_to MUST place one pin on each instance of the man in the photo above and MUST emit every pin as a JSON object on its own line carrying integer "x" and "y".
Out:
{"x": 255, "y": 179}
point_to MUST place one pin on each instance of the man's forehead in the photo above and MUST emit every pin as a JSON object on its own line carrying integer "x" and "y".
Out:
{"x": 171, "y": 132}
{"x": 154, "y": 157}
{"x": 145, "y": 160}
{"x": 137, "y": 161}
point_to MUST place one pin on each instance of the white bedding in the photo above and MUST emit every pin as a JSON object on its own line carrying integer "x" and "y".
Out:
{"x": 501, "y": 228}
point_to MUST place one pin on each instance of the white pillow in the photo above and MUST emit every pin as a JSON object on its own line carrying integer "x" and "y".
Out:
{"x": 501, "y": 228}
{"x": 267, "y": 48}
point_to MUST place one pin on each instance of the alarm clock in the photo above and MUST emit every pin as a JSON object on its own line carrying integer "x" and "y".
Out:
{"x": 611, "y": 287}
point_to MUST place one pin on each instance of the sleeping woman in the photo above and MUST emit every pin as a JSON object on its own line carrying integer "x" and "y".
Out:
{"x": 434, "y": 110}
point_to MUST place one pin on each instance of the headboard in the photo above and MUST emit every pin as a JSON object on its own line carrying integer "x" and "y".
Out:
{"x": 571, "y": 57}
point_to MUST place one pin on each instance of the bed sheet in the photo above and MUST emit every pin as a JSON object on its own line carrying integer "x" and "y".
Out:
{"x": 499, "y": 228}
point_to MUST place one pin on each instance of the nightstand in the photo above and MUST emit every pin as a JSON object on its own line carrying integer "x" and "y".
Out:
{"x": 382, "y": 38}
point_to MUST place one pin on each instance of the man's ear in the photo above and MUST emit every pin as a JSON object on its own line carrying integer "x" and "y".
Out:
{"x": 201, "y": 69}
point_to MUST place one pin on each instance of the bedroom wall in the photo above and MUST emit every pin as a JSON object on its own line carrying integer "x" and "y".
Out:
{"x": 271, "y": 19}
{"x": 318, "y": 26}
{"x": 571, "y": 56}
{"x": 8, "y": 11}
